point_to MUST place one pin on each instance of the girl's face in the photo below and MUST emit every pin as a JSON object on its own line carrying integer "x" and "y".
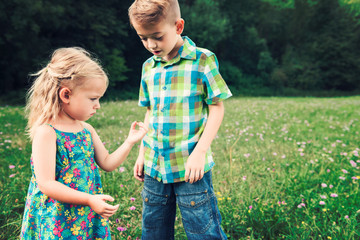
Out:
{"x": 83, "y": 101}
{"x": 162, "y": 39}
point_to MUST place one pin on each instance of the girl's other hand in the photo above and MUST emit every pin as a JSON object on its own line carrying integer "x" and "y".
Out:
{"x": 99, "y": 205}
{"x": 136, "y": 135}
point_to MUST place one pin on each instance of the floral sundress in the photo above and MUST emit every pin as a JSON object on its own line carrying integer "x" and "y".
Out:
{"x": 47, "y": 218}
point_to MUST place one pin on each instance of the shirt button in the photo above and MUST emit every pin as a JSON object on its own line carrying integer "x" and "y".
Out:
{"x": 162, "y": 132}
{"x": 172, "y": 144}
{"x": 162, "y": 110}
{"x": 192, "y": 203}
{"x": 164, "y": 88}
{"x": 146, "y": 199}
{"x": 163, "y": 154}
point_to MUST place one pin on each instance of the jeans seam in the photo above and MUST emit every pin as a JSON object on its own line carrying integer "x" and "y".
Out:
{"x": 217, "y": 217}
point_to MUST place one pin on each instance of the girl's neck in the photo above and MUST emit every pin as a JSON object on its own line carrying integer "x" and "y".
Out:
{"x": 66, "y": 123}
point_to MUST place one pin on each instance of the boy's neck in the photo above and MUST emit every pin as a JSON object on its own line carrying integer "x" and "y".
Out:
{"x": 175, "y": 51}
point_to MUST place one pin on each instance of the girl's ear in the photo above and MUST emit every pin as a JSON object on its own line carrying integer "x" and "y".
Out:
{"x": 179, "y": 26}
{"x": 64, "y": 94}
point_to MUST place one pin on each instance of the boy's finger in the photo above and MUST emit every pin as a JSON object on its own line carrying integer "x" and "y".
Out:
{"x": 196, "y": 176}
{"x": 201, "y": 174}
{"x": 187, "y": 171}
{"x": 140, "y": 178}
{"x": 140, "y": 170}
{"x": 191, "y": 177}
{"x": 135, "y": 170}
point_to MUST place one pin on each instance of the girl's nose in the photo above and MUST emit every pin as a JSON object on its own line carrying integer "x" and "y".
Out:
{"x": 97, "y": 105}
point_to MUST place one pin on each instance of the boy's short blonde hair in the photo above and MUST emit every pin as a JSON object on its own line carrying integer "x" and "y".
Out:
{"x": 154, "y": 11}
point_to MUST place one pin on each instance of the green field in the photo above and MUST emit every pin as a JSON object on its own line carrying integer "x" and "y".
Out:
{"x": 286, "y": 168}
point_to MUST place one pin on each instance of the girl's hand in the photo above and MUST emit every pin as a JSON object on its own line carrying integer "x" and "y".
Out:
{"x": 139, "y": 169}
{"x": 136, "y": 135}
{"x": 98, "y": 204}
{"x": 194, "y": 169}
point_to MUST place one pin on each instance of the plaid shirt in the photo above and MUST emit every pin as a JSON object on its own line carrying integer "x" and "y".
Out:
{"x": 178, "y": 93}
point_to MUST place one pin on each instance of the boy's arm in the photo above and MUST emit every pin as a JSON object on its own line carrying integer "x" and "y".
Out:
{"x": 139, "y": 165}
{"x": 195, "y": 164}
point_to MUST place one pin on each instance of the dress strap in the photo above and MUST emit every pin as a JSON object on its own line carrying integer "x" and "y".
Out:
{"x": 50, "y": 125}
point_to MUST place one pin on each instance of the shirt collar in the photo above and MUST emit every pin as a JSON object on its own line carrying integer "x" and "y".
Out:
{"x": 186, "y": 51}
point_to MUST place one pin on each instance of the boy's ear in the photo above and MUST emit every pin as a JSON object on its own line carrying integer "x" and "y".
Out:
{"x": 64, "y": 94}
{"x": 179, "y": 26}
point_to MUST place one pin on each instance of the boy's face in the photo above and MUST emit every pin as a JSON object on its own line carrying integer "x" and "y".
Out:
{"x": 162, "y": 39}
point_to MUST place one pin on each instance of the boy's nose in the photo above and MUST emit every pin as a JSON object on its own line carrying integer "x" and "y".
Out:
{"x": 151, "y": 44}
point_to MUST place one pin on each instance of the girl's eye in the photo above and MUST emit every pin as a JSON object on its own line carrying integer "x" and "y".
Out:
{"x": 93, "y": 99}
{"x": 158, "y": 38}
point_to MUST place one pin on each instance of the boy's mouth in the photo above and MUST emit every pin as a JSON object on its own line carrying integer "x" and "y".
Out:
{"x": 156, "y": 52}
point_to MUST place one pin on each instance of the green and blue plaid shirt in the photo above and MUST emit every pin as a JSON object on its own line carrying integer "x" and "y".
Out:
{"x": 178, "y": 93}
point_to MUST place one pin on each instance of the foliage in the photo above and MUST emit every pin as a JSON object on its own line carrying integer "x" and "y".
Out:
{"x": 286, "y": 168}
{"x": 33, "y": 29}
{"x": 307, "y": 45}
{"x": 207, "y": 30}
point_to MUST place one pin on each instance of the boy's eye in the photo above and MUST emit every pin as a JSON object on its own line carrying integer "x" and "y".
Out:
{"x": 155, "y": 38}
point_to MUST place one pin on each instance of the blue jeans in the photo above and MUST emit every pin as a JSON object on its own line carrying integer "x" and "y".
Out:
{"x": 197, "y": 203}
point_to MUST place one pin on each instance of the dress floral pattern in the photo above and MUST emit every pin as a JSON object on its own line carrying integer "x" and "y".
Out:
{"x": 47, "y": 218}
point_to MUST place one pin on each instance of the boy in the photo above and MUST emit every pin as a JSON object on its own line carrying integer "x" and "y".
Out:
{"x": 182, "y": 89}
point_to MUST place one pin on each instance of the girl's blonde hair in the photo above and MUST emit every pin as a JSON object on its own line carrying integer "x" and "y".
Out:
{"x": 68, "y": 67}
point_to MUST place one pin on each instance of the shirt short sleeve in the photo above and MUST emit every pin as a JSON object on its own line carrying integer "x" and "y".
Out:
{"x": 215, "y": 87}
{"x": 144, "y": 100}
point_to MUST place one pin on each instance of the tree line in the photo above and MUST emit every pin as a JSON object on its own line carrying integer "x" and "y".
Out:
{"x": 263, "y": 46}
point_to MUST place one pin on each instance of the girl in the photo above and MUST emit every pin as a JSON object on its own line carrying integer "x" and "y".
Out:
{"x": 65, "y": 199}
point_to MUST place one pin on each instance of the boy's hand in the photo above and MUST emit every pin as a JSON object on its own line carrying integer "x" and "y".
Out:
{"x": 98, "y": 204}
{"x": 194, "y": 169}
{"x": 139, "y": 169}
{"x": 136, "y": 135}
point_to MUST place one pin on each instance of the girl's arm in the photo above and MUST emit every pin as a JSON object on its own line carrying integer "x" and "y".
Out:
{"x": 109, "y": 162}
{"x": 44, "y": 159}
{"x": 195, "y": 164}
{"x": 139, "y": 165}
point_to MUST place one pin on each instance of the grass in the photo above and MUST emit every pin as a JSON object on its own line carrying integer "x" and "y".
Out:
{"x": 286, "y": 168}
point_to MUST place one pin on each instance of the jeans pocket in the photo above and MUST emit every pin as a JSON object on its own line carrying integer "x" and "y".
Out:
{"x": 195, "y": 212}
{"x": 153, "y": 209}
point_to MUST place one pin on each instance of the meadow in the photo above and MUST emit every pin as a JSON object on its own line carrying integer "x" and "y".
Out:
{"x": 286, "y": 168}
